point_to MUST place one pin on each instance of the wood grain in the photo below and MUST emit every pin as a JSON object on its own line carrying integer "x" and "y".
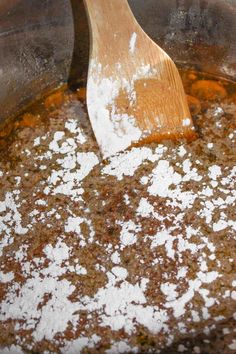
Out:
{"x": 160, "y": 107}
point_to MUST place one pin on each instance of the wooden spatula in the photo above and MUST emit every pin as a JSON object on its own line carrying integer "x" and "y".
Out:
{"x": 134, "y": 91}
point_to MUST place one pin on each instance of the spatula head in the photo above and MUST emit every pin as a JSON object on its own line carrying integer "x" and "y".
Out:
{"x": 152, "y": 106}
{"x": 134, "y": 92}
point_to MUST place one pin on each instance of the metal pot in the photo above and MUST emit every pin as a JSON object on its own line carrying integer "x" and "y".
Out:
{"x": 44, "y": 43}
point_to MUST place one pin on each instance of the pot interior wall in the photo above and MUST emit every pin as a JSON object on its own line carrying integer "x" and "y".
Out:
{"x": 37, "y": 50}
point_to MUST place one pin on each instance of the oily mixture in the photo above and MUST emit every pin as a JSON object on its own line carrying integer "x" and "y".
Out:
{"x": 134, "y": 254}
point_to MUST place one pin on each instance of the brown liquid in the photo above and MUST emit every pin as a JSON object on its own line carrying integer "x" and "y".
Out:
{"x": 201, "y": 90}
{"x": 34, "y": 173}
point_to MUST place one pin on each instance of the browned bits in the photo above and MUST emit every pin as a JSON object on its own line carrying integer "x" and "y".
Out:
{"x": 108, "y": 200}
{"x": 54, "y": 100}
{"x": 5, "y": 131}
{"x": 81, "y": 94}
{"x": 232, "y": 98}
{"x": 29, "y": 120}
{"x": 208, "y": 90}
{"x": 194, "y": 105}
{"x": 192, "y": 76}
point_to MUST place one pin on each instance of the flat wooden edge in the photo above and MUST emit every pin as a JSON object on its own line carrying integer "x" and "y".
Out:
{"x": 188, "y": 135}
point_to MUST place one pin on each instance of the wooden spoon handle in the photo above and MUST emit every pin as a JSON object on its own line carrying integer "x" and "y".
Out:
{"x": 112, "y": 22}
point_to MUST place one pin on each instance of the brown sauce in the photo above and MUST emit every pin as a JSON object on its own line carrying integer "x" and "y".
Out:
{"x": 201, "y": 90}
{"x": 70, "y": 223}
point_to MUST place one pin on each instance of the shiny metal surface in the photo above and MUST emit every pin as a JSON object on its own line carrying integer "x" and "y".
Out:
{"x": 41, "y": 45}
{"x": 36, "y": 42}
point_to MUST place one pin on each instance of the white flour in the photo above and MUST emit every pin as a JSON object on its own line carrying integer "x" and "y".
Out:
{"x": 42, "y": 303}
{"x": 114, "y": 132}
{"x": 132, "y": 43}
